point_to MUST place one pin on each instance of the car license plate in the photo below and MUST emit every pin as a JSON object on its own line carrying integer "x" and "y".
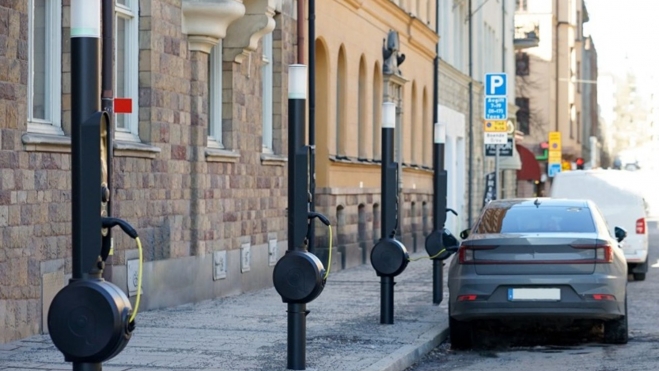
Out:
{"x": 544, "y": 294}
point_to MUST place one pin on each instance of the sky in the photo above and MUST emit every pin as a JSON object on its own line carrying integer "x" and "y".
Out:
{"x": 626, "y": 36}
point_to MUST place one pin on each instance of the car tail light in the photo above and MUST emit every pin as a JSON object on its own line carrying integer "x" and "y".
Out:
{"x": 603, "y": 252}
{"x": 466, "y": 253}
{"x": 467, "y": 297}
{"x": 605, "y": 297}
{"x": 640, "y": 226}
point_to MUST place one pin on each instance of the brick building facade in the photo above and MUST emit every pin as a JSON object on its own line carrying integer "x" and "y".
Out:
{"x": 201, "y": 199}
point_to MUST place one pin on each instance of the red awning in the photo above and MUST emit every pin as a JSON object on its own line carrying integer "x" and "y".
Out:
{"x": 530, "y": 167}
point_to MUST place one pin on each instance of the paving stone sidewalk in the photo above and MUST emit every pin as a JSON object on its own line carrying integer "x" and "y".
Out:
{"x": 248, "y": 332}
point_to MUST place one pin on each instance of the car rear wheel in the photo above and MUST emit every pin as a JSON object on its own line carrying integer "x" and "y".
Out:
{"x": 616, "y": 331}
{"x": 461, "y": 334}
{"x": 639, "y": 276}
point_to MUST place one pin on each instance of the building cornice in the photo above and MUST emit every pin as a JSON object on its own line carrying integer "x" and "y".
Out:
{"x": 453, "y": 72}
{"x": 354, "y": 4}
{"x": 244, "y": 34}
{"x": 418, "y": 35}
{"x": 206, "y": 21}
{"x": 422, "y": 37}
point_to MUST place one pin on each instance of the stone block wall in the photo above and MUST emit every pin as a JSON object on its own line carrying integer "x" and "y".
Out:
{"x": 34, "y": 221}
{"x": 184, "y": 204}
{"x": 355, "y": 218}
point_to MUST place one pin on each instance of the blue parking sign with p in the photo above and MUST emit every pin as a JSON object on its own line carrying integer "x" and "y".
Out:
{"x": 496, "y": 84}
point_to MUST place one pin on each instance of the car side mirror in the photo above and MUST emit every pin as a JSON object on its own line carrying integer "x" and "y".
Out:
{"x": 620, "y": 233}
{"x": 465, "y": 234}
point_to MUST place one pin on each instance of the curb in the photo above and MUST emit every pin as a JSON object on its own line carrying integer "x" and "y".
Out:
{"x": 410, "y": 354}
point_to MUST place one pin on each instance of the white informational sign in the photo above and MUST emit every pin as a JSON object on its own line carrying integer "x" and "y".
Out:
{"x": 496, "y": 138}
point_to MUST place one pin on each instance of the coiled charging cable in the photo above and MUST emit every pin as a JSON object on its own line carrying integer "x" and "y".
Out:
{"x": 325, "y": 221}
{"x": 109, "y": 222}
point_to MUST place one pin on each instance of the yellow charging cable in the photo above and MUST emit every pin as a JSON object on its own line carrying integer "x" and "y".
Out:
{"x": 329, "y": 262}
{"x": 427, "y": 257}
{"x": 139, "y": 280}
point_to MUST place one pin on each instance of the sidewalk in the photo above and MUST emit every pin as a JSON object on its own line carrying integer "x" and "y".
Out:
{"x": 248, "y": 332}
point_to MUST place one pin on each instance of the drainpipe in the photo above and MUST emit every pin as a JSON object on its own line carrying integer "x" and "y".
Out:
{"x": 107, "y": 105}
{"x": 471, "y": 119}
{"x": 502, "y": 182}
{"x": 312, "y": 123}
{"x": 300, "y": 31}
{"x": 558, "y": 23}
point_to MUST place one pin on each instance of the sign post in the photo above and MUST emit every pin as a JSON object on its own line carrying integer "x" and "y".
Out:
{"x": 554, "y": 161}
{"x": 495, "y": 113}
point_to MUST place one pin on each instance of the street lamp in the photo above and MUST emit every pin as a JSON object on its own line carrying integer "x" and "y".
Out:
{"x": 440, "y": 134}
{"x": 388, "y": 115}
{"x": 297, "y": 82}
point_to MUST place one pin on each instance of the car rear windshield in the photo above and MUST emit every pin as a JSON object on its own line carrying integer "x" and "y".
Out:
{"x": 545, "y": 219}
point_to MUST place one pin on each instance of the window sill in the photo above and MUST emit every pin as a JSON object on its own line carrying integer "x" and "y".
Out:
{"x": 221, "y": 155}
{"x": 269, "y": 159}
{"x": 37, "y": 142}
{"x": 132, "y": 149}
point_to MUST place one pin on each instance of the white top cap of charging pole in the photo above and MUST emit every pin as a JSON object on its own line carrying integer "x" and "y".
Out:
{"x": 440, "y": 132}
{"x": 86, "y": 18}
{"x": 297, "y": 81}
{"x": 388, "y": 115}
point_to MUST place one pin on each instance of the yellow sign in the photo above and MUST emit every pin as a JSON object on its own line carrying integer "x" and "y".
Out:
{"x": 566, "y": 166}
{"x": 495, "y": 126}
{"x": 555, "y": 141}
{"x": 555, "y": 157}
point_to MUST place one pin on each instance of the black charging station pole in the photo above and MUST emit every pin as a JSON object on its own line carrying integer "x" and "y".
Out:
{"x": 389, "y": 257}
{"x": 434, "y": 241}
{"x": 299, "y": 275}
{"x": 297, "y": 214}
{"x": 85, "y": 164}
{"x": 88, "y": 318}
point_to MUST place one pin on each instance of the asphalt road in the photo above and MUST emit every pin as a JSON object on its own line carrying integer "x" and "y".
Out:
{"x": 572, "y": 350}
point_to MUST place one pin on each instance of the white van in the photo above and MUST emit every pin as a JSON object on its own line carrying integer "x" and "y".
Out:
{"x": 620, "y": 204}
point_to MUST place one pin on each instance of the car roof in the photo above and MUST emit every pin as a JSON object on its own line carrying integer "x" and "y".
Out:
{"x": 537, "y": 202}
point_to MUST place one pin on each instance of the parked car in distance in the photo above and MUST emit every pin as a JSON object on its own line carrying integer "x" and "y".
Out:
{"x": 538, "y": 260}
{"x": 621, "y": 206}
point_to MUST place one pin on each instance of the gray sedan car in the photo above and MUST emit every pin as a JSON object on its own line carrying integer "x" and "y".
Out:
{"x": 536, "y": 260}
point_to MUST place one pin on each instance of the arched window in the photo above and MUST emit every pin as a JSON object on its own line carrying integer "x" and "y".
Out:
{"x": 323, "y": 123}
{"x": 414, "y": 127}
{"x": 361, "y": 111}
{"x": 376, "y": 222}
{"x": 340, "y": 225}
{"x": 377, "y": 110}
{"x": 426, "y": 129}
{"x": 361, "y": 223}
{"x": 341, "y": 100}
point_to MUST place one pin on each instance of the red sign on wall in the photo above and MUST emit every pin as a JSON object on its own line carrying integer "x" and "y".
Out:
{"x": 123, "y": 105}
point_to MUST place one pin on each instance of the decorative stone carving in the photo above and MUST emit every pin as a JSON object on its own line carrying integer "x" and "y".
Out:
{"x": 244, "y": 34}
{"x": 206, "y": 21}
{"x": 390, "y": 51}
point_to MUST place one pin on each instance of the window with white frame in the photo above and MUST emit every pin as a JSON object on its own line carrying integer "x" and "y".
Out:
{"x": 215, "y": 97}
{"x": 267, "y": 93}
{"x": 45, "y": 67}
{"x": 126, "y": 51}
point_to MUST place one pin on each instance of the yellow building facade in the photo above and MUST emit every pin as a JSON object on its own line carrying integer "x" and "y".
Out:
{"x": 350, "y": 89}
